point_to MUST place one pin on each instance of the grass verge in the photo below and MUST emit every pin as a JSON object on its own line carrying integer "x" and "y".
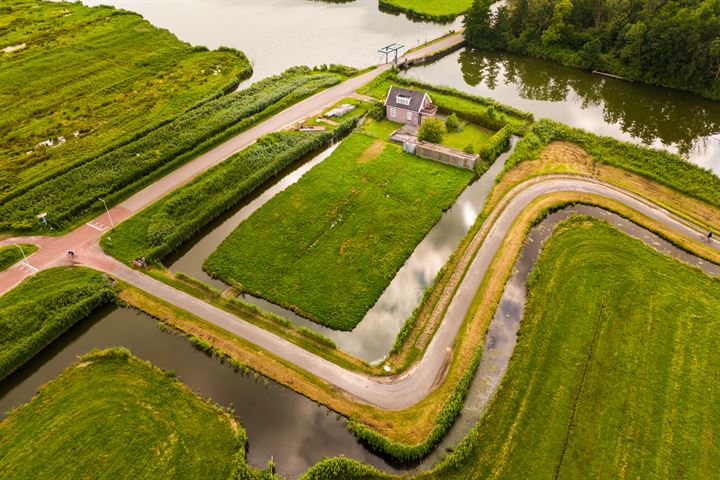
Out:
{"x": 11, "y": 254}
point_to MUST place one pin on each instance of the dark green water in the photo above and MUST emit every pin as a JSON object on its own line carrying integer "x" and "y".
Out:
{"x": 659, "y": 117}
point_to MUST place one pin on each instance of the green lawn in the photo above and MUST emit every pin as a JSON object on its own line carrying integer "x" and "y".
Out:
{"x": 44, "y": 306}
{"x": 616, "y": 370}
{"x": 114, "y": 416}
{"x": 11, "y": 254}
{"x": 470, "y": 135}
{"x": 106, "y": 74}
{"x": 445, "y": 10}
{"x": 329, "y": 245}
{"x": 381, "y": 129}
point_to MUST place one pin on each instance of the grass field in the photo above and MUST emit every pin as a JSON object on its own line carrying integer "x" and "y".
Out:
{"x": 114, "y": 416}
{"x": 431, "y": 10}
{"x": 42, "y": 307}
{"x": 94, "y": 76}
{"x": 615, "y": 372}
{"x": 11, "y": 254}
{"x": 329, "y": 245}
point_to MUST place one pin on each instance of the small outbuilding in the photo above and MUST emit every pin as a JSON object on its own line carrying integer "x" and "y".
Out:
{"x": 407, "y": 106}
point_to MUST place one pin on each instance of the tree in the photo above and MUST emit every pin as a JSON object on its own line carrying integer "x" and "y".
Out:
{"x": 590, "y": 53}
{"x": 557, "y": 29}
{"x": 432, "y": 130}
{"x": 478, "y": 24}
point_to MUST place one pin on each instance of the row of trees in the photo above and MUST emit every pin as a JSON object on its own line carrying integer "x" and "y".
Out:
{"x": 673, "y": 43}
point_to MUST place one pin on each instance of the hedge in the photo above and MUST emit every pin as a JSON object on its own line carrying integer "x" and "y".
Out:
{"x": 497, "y": 144}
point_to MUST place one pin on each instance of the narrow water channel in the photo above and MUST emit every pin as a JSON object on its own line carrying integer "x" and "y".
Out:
{"x": 658, "y": 117}
{"x": 372, "y": 339}
{"x": 281, "y": 424}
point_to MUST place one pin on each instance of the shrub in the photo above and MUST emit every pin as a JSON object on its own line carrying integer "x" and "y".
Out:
{"x": 454, "y": 124}
{"x": 377, "y": 111}
{"x": 496, "y": 144}
{"x": 469, "y": 148}
{"x": 432, "y": 130}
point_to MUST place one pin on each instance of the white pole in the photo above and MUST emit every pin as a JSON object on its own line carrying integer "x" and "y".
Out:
{"x": 23, "y": 253}
{"x": 108, "y": 212}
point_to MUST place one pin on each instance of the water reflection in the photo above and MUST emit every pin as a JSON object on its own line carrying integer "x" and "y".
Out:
{"x": 658, "y": 117}
{"x": 277, "y": 34}
{"x": 281, "y": 424}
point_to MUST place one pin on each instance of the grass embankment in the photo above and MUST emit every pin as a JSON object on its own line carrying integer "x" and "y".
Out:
{"x": 44, "y": 306}
{"x": 166, "y": 224}
{"x": 11, "y": 254}
{"x": 604, "y": 382}
{"x": 106, "y": 74}
{"x": 114, "y": 416}
{"x": 355, "y": 219}
{"x": 427, "y": 10}
{"x": 71, "y": 196}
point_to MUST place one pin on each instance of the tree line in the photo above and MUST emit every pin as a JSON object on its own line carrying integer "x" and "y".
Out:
{"x": 672, "y": 43}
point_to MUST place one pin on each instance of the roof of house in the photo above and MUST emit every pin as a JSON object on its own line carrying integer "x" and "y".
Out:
{"x": 417, "y": 99}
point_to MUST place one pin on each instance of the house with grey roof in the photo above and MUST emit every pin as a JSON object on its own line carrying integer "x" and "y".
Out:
{"x": 407, "y": 106}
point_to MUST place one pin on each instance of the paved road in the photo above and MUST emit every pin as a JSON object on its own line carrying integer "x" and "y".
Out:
{"x": 412, "y": 386}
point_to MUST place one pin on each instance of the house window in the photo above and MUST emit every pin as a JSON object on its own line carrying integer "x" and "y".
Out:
{"x": 402, "y": 100}
{"x": 409, "y": 116}
{"x": 393, "y": 112}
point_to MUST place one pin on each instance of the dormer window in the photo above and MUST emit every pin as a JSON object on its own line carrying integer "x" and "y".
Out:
{"x": 402, "y": 100}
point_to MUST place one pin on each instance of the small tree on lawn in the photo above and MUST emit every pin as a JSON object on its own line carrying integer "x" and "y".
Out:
{"x": 432, "y": 130}
{"x": 454, "y": 124}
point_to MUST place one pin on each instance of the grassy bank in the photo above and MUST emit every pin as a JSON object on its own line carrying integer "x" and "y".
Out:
{"x": 11, "y": 254}
{"x": 71, "y": 196}
{"x": 44, "y": 306}
{"x": 95, "y": 76}
{"x": 356, "y": 218}
{"x": 161, "y": 228}
{"x": 427, "y": 10}
{"x": 114, "y": 416}
{"x": 604, "y": 383}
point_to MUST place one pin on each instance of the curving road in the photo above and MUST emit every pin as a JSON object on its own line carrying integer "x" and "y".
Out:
{"x": 412, "y": 386}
